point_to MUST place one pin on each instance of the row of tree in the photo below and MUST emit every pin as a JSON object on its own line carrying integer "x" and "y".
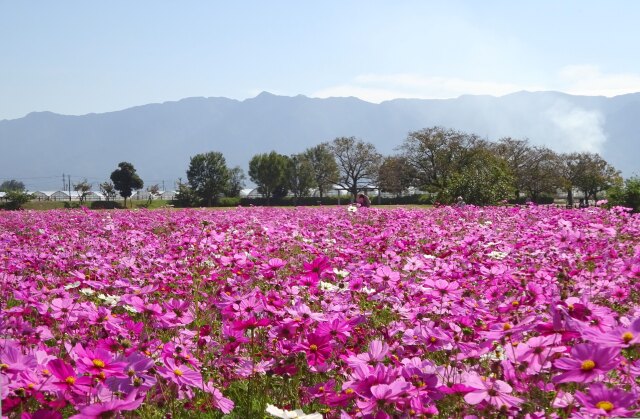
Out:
{"x": 444, "y": 162}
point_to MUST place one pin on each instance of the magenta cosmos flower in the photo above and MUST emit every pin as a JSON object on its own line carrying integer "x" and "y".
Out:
{"x": 494, "y": 392}
{"x": 67, "y": 379}
{"x": 603, "y": 401}
{"x": 317, "y": 347}
{"x": 586, "y": 363}
{"x": 111, "y": 408}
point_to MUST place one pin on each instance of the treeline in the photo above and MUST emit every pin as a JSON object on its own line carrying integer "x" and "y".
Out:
{"x": 441, "y": 163}
{"x": 444, "y": 163}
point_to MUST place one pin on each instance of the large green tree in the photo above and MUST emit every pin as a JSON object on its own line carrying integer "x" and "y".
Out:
{"x": 269, "y": 172}
{"x": 436, "y": 154}
{"x": 595, "y": 175}
{"x": 126, "y": 180}
{"x": 324, "y": 166}
{"x": 299, "y": 176}
{"x": 587, "y": 172}
{"x": 395, "y": 175}
{"x": 236, "y": 181}
{"x": 358, "y": 162}
{"x": 208, "y": 176}
{"x": 486, "y": 180}
{"x": 627, "y": 194}
{"x": 11, "y": 185}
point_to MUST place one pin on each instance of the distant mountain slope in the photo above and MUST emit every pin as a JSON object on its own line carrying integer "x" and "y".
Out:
{"x": 159, "y": 138}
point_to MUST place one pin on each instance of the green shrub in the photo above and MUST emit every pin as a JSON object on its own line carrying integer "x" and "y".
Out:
{"x": 105, "y": 205}
{"x": 16, "y": 199}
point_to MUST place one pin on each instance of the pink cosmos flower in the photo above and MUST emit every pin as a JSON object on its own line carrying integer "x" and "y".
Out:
{"x": 13, "y": 361}
{"x": 385, "y": 275}
{"x": 586, "y": 363}
{"x": 98, "y": 362}
{"x": 64, "y": 308}
{"x": 338, "y": 328}
{"x": 538, "y": 352}
{"x": 494, "y": 392}
{"x": 384, "y": 394}
{"x": 180, "y": 374}
{"x": 603, "y": 401}
{"x": 619, "y": 337}
{"x": 315, "y": 269}
{"x": 137, "y": 375}
{"x": 111, "y": 408}
{"x": 219, "y": 401}
{"x": 377, "y": 352}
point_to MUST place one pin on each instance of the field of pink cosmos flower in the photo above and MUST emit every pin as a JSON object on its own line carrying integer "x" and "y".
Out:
{"x": 320, "y": 312}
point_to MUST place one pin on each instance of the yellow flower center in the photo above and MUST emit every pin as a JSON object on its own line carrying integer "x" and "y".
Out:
{"x": 178, "y": 372}
{"x": 433, "y": 339}
{"x": 588, "y": 365}
{"x": 4, "y": 366}
{"x": 70, "y": 380}
{"x": 98, "y": 363}
{"x": 507, "y": 326}
{"x": 515, "y": 303}
{"x": 349, "y": 391}
{"x": 313, "y": 347}
{"x": 627, "y": 336}
{"x": 605, "y": 405}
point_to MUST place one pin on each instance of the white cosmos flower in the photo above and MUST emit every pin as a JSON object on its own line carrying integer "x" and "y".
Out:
{"x": 72, "y": 285}
{"x": 352, "y": 208}
{"x": 497, "y": 255}
{"x": 130, "y": 309}
{"x": 368, "y": 290}
{"x": 112, "y": 300}
{"x": 291, "y": 414}
{"x": 327, "y": 286}
{"x": 341, "y": 272}
{"x": 87, "y": 291}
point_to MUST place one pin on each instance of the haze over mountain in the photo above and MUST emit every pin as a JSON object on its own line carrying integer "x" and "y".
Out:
{"x": 159, "y": 138}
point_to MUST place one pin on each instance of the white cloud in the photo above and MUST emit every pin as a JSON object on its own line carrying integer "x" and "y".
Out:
{"x": 380, "y": 87}
{"x": 585, "y": 80}
{"x": 588, "y": 80}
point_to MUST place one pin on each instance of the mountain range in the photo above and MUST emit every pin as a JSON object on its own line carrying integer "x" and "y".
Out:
{"x": 160, "y": 138}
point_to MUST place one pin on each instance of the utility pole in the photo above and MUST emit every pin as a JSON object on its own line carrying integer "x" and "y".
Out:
{"x": 69, "y": 178}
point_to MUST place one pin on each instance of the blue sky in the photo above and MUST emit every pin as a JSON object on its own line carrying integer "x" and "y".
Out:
{"x": 77, "y": 57}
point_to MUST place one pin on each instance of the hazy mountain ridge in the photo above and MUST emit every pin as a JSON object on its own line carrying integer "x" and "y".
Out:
{"x": 159, "y": 138}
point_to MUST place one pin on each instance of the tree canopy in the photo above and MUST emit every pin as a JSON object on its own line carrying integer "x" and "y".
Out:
{"x": 269, "y": 172}
{"x": 358, "y": 162}
{"x": 126, "y": 180}
{"x": 324, "y": 167}
{"x": 208, "y": 176}
{"x": 11, "y": 185}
